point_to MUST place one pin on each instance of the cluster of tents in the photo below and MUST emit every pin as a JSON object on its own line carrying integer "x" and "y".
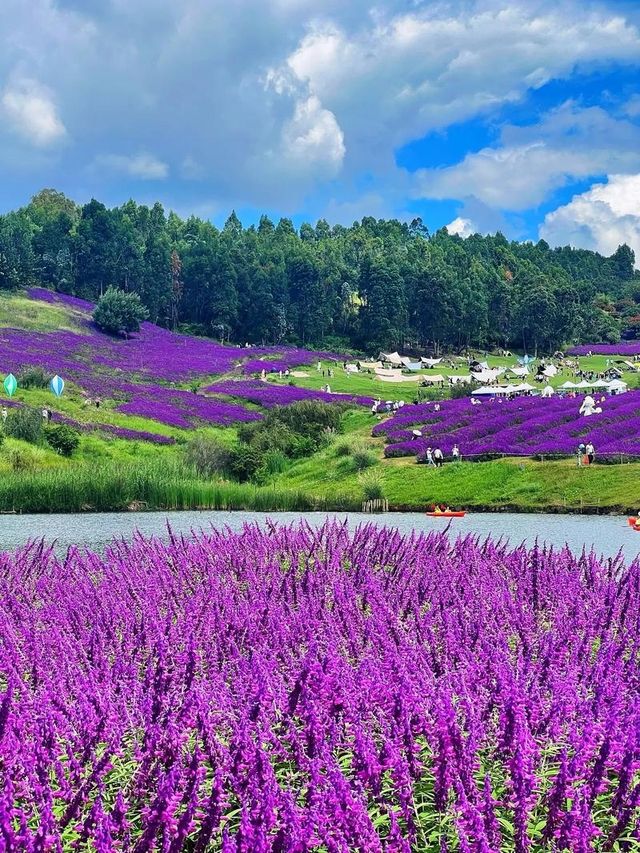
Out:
{"x": 616, "y": 386}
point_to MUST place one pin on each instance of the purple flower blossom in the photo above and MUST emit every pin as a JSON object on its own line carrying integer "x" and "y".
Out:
{"x": 294, "y": 688}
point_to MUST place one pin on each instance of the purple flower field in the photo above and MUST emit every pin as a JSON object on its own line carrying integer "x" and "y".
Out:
{"x": 525, "y": 426}
{"x": 623, "y": 348}
{"x": 138, "y": 371}
{"x": 303, "y": 690}
{"x": 269, "y": 395}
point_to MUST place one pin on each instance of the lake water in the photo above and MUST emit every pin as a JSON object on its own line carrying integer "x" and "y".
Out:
{"x": 606, "y": 534}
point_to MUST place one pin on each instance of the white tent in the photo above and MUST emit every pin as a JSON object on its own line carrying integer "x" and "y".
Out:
{"x": 601, "y": 384}
{"x": 618, "y": 386}
{"x": 437, "y": 377}
{"x": 488, "y": 375}
{"x": 525, "y": 386}
{"x": 548, "y": 391}
{"x": 550, "y": 370}
{"x": 430, "y": 362}
{"x": 390, "y": 358}
{"x": 413, "y": 365}
{"x": 460, "y": 380}
{"x": 387, "y": 371}
{"x": 485, "y": 391}
{"x": 584, "y": 384}
{"x": 568, "y": 384}
{"x": 519, "y": 371}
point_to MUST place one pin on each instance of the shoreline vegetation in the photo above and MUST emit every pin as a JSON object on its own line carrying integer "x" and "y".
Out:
{"x": 509, "y": 485}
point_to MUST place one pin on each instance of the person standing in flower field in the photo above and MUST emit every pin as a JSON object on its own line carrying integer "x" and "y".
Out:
{"x": 438, "y": 458}
{"x": 455, "y": 453}
{"x": 590, "y": 451}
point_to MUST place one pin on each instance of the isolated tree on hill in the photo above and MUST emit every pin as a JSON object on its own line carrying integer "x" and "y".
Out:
{"x": 119, "y": 313}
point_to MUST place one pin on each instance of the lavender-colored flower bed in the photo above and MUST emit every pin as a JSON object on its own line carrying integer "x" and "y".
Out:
{"x": 268, "y": 395}
{"x": 525, "y": 426}
{"x": 623, "y": 348}
{"x": 299, "y": 690}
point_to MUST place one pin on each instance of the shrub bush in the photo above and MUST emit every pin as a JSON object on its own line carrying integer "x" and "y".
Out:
{"x": 372, "y": 486}
{"x": 24, "y": 424}
{"x": 119, "y": 313}
{"x": 208, "y": 456}
{"x": 245, "y": 462}
{"x": 34, "y": 377}
{"x": 362, "y": 459}
{"x": 21, "y": 462}
{"x": 62, "y": 438}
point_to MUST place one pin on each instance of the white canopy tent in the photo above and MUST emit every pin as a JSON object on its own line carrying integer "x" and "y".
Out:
{"x": 519, "y": 371}
{"x": 460, "y": 380}
{"x": 486, "y": 376}
{"x": 548, "y": 391}
{"x": 437, "y": 377}
{"x": 550, "y": 370}
{"x": 486, "y": 391}
{"x": 618, "y": 386}
{"x": 568, "y": 385}
{"x": 430, "y": 362}
{"x": 390, "y": 358}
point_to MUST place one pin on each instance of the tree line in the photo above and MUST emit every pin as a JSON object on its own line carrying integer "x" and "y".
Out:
{"x": 379, "y": 284}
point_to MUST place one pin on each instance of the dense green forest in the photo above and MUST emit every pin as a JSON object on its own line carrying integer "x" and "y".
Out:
{"x": 378, "y": 284}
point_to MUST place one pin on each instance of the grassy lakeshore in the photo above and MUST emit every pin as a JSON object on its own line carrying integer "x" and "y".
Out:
{"x": 325, "y": 482}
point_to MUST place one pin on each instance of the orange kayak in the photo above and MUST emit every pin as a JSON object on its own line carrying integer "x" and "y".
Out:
{"x": 450, "y": 514}
{"x": 632, "y": 521}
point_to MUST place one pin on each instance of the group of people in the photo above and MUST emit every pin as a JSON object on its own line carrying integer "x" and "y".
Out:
{"x": 435, "y": 456}
{"x": 379, "y": 407}
{"x": 586, "y": 453}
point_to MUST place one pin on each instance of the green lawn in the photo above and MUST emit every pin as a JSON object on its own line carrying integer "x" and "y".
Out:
{"x": 20, "y": 312}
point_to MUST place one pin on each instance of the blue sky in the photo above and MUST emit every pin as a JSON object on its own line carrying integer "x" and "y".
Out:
{"x": 477, "y": 115}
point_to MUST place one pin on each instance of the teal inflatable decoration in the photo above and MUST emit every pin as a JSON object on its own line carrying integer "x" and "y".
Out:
{"x": 57, "y": 385}
{"x": 10, "y": 385}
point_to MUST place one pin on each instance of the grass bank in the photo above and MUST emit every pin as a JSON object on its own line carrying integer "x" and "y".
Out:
{"x": 518, "y": 485}
{"x": 328, "y": 480}
{"x": 119, "y": 487}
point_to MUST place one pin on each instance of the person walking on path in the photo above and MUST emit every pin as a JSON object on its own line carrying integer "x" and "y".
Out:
{"x": 430, "y": 457}
{"x": 438, "y": 458}
{"x": 581, "y": 449}
{"x": 590, "y": 451}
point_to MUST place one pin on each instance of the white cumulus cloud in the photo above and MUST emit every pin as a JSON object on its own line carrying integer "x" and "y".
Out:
{"x": 462, "y": 227}
{"x": 602, "y": 218}
{"x": 569, "y": 143}
{"x": 145, "y": 166}
{"x": 314, "y": 136}
{"x": 31, "y": 111}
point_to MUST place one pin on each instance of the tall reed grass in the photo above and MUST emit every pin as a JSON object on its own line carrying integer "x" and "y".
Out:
{"x": 114, "y": 487}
